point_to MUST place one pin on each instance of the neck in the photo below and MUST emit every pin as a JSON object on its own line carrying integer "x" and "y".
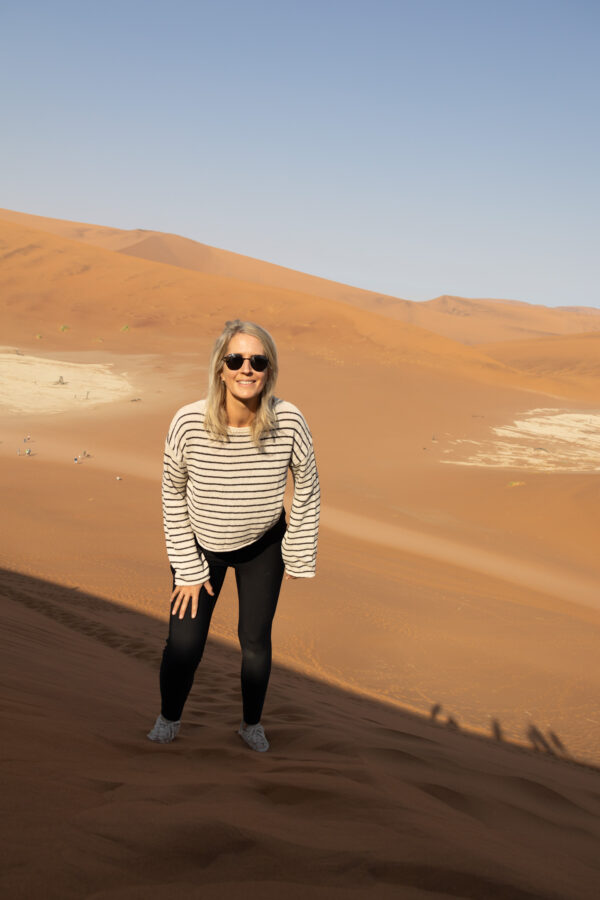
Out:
{"x": 240, "y": 414}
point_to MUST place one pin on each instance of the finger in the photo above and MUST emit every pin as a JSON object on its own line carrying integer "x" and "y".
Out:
{"x": 194, "y": 607}
{"x": 209, "y": 589}
{"x": 183, "y": 607}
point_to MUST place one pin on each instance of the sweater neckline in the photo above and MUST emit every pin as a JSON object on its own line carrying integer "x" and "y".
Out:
{"x": 235, "y": 428}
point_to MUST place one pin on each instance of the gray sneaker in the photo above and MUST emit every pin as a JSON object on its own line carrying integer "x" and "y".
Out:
{"x": 164, "y": 730}
{"x": 254, "y": 735}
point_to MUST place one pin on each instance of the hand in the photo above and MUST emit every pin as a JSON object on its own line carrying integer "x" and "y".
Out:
{"x": 187, "y": 592}
{"x": 288, "y": 576}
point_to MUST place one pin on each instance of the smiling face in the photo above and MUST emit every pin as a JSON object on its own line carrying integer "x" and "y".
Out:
{"x": 244, "y": 385}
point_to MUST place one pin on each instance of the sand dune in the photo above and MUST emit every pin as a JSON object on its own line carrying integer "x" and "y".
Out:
{"x": 188, "y": 254}
{"x": 469, "y": 321}
{"x": 97, "y": 235}
{"x": 353, "y": 799}
{"x": 574, "y": 358}
{"x": 481, "y": 321}
{"x": 105, "y": 298}
{"x": 440, "y": 567}
{"x": 566, "y": 355}
{"x": 469, "y": 590}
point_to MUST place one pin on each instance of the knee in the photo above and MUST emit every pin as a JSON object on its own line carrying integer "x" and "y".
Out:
{"x": 254, "y": 645}
{"x": 182, "y": 653}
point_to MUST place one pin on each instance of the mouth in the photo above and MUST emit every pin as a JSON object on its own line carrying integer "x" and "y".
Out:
{"x": 245, "y": 382}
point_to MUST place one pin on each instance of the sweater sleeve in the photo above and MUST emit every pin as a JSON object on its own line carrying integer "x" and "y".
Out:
{"x": 299, "y": 544}
{"x": 189, "y": 563}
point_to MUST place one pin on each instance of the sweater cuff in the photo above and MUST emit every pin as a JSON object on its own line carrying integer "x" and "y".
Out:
{"x": 191, "y": 579}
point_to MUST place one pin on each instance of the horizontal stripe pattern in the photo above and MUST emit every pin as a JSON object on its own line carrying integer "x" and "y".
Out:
{"x": 227, "y": 495}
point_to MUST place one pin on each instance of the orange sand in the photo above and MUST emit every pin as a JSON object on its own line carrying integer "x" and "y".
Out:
{"x": 466, "y": 587}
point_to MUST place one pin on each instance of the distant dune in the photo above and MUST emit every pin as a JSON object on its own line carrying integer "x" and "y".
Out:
{"x": 567, "y": 355}
{"x": 483, "y": 321}
{"x": 49, "y": 282}
{"x": 469, "y": 321}
{"x": 187, "y": 254}
{"x": 72, "y": 276}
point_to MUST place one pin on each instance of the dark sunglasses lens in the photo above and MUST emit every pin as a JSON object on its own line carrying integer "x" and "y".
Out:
{"x": 235, "y": 361}
{"x": 259, "y": 363}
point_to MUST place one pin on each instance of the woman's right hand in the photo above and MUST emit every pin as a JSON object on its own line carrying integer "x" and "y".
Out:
{"x": 187, "y": 592}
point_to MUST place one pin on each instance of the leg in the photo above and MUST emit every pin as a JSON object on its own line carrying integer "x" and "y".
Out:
{"x": 258, "y": 582}
{"x": 184, "y": 648}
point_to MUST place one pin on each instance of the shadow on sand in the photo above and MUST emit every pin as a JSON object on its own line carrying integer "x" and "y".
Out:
{"x": 354, "y": 798}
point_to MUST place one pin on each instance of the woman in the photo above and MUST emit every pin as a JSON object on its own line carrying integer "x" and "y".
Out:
{"x": 225, "y": 470}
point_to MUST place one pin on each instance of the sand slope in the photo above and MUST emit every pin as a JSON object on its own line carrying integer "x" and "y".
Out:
{"x": 469, "y": 321}
{"x": 481, "y": 321}
{"x": 353, "y": 799}
{"x": 463, "y": 588}
{"x": 463, "y": 571}
{"x": 53, "y": 286}
{"x": 569, "y": 356}
{"x": 188, "y": 254}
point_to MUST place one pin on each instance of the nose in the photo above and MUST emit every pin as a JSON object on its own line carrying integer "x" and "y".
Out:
{"x": 246, "y": 368}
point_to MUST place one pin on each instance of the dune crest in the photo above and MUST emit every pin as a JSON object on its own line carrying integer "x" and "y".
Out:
{"x": 470, "y": 321}
{"x": 101, "y": 293}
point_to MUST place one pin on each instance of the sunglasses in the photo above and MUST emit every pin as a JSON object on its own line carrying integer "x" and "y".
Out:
{"x": 235, "y": 361}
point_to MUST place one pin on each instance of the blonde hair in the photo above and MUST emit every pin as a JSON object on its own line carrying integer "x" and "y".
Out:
{"x": 215, "y": 415}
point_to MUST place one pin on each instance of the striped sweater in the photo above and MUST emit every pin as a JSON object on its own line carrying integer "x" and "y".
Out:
{"x": 228, "y": 495}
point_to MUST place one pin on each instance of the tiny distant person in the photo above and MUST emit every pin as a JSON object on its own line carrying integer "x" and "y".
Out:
{"x": 225, "y": 469}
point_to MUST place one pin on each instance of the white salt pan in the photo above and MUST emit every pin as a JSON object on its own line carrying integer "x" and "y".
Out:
{"x": 32, "y": 384}
{"x": 548, "y": 440}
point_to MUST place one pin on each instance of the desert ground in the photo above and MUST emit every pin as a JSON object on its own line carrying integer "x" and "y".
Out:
{"x": 433, "y": 704}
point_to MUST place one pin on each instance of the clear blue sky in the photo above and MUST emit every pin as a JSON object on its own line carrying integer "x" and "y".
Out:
{"x": 412, "y": 148}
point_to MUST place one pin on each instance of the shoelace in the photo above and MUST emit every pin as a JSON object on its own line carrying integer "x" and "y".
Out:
{"x": 166, "y": 729}
{"x": 256, "y": 732}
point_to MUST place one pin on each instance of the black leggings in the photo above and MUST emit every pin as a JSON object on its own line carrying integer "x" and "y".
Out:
{"x": 259, "y": 572}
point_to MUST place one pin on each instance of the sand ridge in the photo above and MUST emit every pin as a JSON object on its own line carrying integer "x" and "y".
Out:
{"x": 468, "y": 320}
{"x": 135, "y": 304}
